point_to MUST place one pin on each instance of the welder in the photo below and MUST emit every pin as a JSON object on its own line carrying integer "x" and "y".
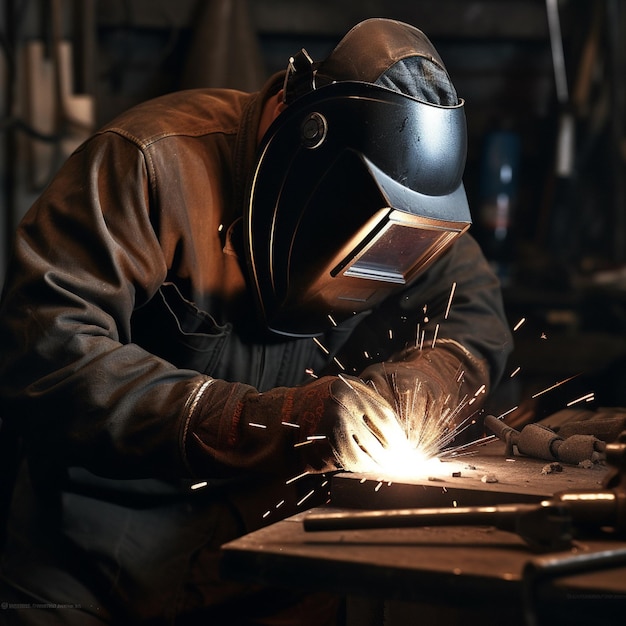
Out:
{"x": 219, "y": 292}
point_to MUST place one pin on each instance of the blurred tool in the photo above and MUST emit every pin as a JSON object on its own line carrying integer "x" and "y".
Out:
{"x": 538, "y": 441}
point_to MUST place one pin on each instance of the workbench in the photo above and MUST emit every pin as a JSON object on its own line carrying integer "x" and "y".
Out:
{"x": 444, "y": 575}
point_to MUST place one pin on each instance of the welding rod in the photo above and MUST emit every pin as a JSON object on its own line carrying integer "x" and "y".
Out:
{"x": 501, "y": 516}
{"x": 544, "y": 525}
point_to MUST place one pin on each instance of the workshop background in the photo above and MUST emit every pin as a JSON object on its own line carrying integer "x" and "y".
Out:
{"x": 545, "y": 89}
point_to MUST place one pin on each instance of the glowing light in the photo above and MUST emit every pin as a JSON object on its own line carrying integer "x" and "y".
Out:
{"x": 321, "y": 346}
{"x": 435, "y": 336}
{"x": 308, "y": 495}
{"x": 298, "y": 477}
{"x": 562, "y": 382}
{"x": 445, "y": 317}
{"x": 586, "y": 398}
{"x": 519, "y": 324}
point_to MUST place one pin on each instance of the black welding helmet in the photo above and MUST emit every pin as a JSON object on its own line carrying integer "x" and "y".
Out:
{"x": 358, "y": 184}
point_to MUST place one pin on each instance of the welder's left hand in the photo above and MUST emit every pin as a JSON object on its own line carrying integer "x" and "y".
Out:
{"x": 441, "y": 386}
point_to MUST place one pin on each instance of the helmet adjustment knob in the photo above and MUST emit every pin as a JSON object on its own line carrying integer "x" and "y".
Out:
{"x": 313, "y": 130}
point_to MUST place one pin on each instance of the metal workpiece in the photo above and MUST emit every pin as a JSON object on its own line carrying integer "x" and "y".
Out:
{"x": 551, "y": 524}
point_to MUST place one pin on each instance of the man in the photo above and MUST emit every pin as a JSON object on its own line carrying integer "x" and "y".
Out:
{"x": 220, "y": 292}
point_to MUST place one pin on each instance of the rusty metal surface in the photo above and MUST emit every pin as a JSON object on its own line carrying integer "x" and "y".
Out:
{"x": 463, "y": 481}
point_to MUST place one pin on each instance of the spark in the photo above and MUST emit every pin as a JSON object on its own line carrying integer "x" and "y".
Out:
{"x": 279, "y": 504}
{"x": 445, "y": 317}
{"x": 435, "y": 336}
{"x": 519, "y": 324}
{"x": 266, "y": 514}
{"x": 298, "y": 477}
{"x": 507, "y": 412}
{"x": 332, "y": 321}
{"x": 310, "y": 372}
{"x": 366, "y": 354}
{"x": 562, "y": 382}
{"x": 336, "y": 360}
{"x": 345, "y": 380}
{"x": 308, "y": 495}
{"x": 199, "y": 485}
{"x": 315, "y": 437}
{"x": 421, "y": 343}
{"x": 220, "y": 228}
{"x": 290, "y": 424}
{"x": 321, "y": 346}
{"x": 586, "y": 398}
{"x": 515, "y": 372}
{"x": 255, "y": 425}
{"x": 378, "y": 486}
{"x": 302, "y": 443}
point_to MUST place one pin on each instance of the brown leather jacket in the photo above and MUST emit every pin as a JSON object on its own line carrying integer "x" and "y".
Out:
{"x": 126, "y": 290}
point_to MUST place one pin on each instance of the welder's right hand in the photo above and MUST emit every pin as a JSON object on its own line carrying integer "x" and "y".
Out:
{"x": 327, "y": 424}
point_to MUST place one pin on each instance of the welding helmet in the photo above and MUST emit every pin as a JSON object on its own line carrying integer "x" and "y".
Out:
{"x": 358, "y": 184}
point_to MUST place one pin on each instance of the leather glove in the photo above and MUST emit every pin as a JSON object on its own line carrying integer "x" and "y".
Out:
{"x": 433, "y": 391}
{"x": 332, "y": 422}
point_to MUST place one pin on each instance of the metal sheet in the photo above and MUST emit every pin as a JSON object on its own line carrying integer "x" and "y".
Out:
{"x": 462, "y": 481}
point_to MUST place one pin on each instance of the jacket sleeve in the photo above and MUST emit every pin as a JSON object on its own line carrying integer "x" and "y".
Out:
{"x": 85, "y": 255}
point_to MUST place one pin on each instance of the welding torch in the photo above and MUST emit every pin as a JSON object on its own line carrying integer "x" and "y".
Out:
{"x": 547, "y": 525}
{"x": 539, "y": 441}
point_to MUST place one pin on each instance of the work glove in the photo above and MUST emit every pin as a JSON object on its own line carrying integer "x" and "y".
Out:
{"x": 434, "y": 391}
{"x": 333, "y": 422}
